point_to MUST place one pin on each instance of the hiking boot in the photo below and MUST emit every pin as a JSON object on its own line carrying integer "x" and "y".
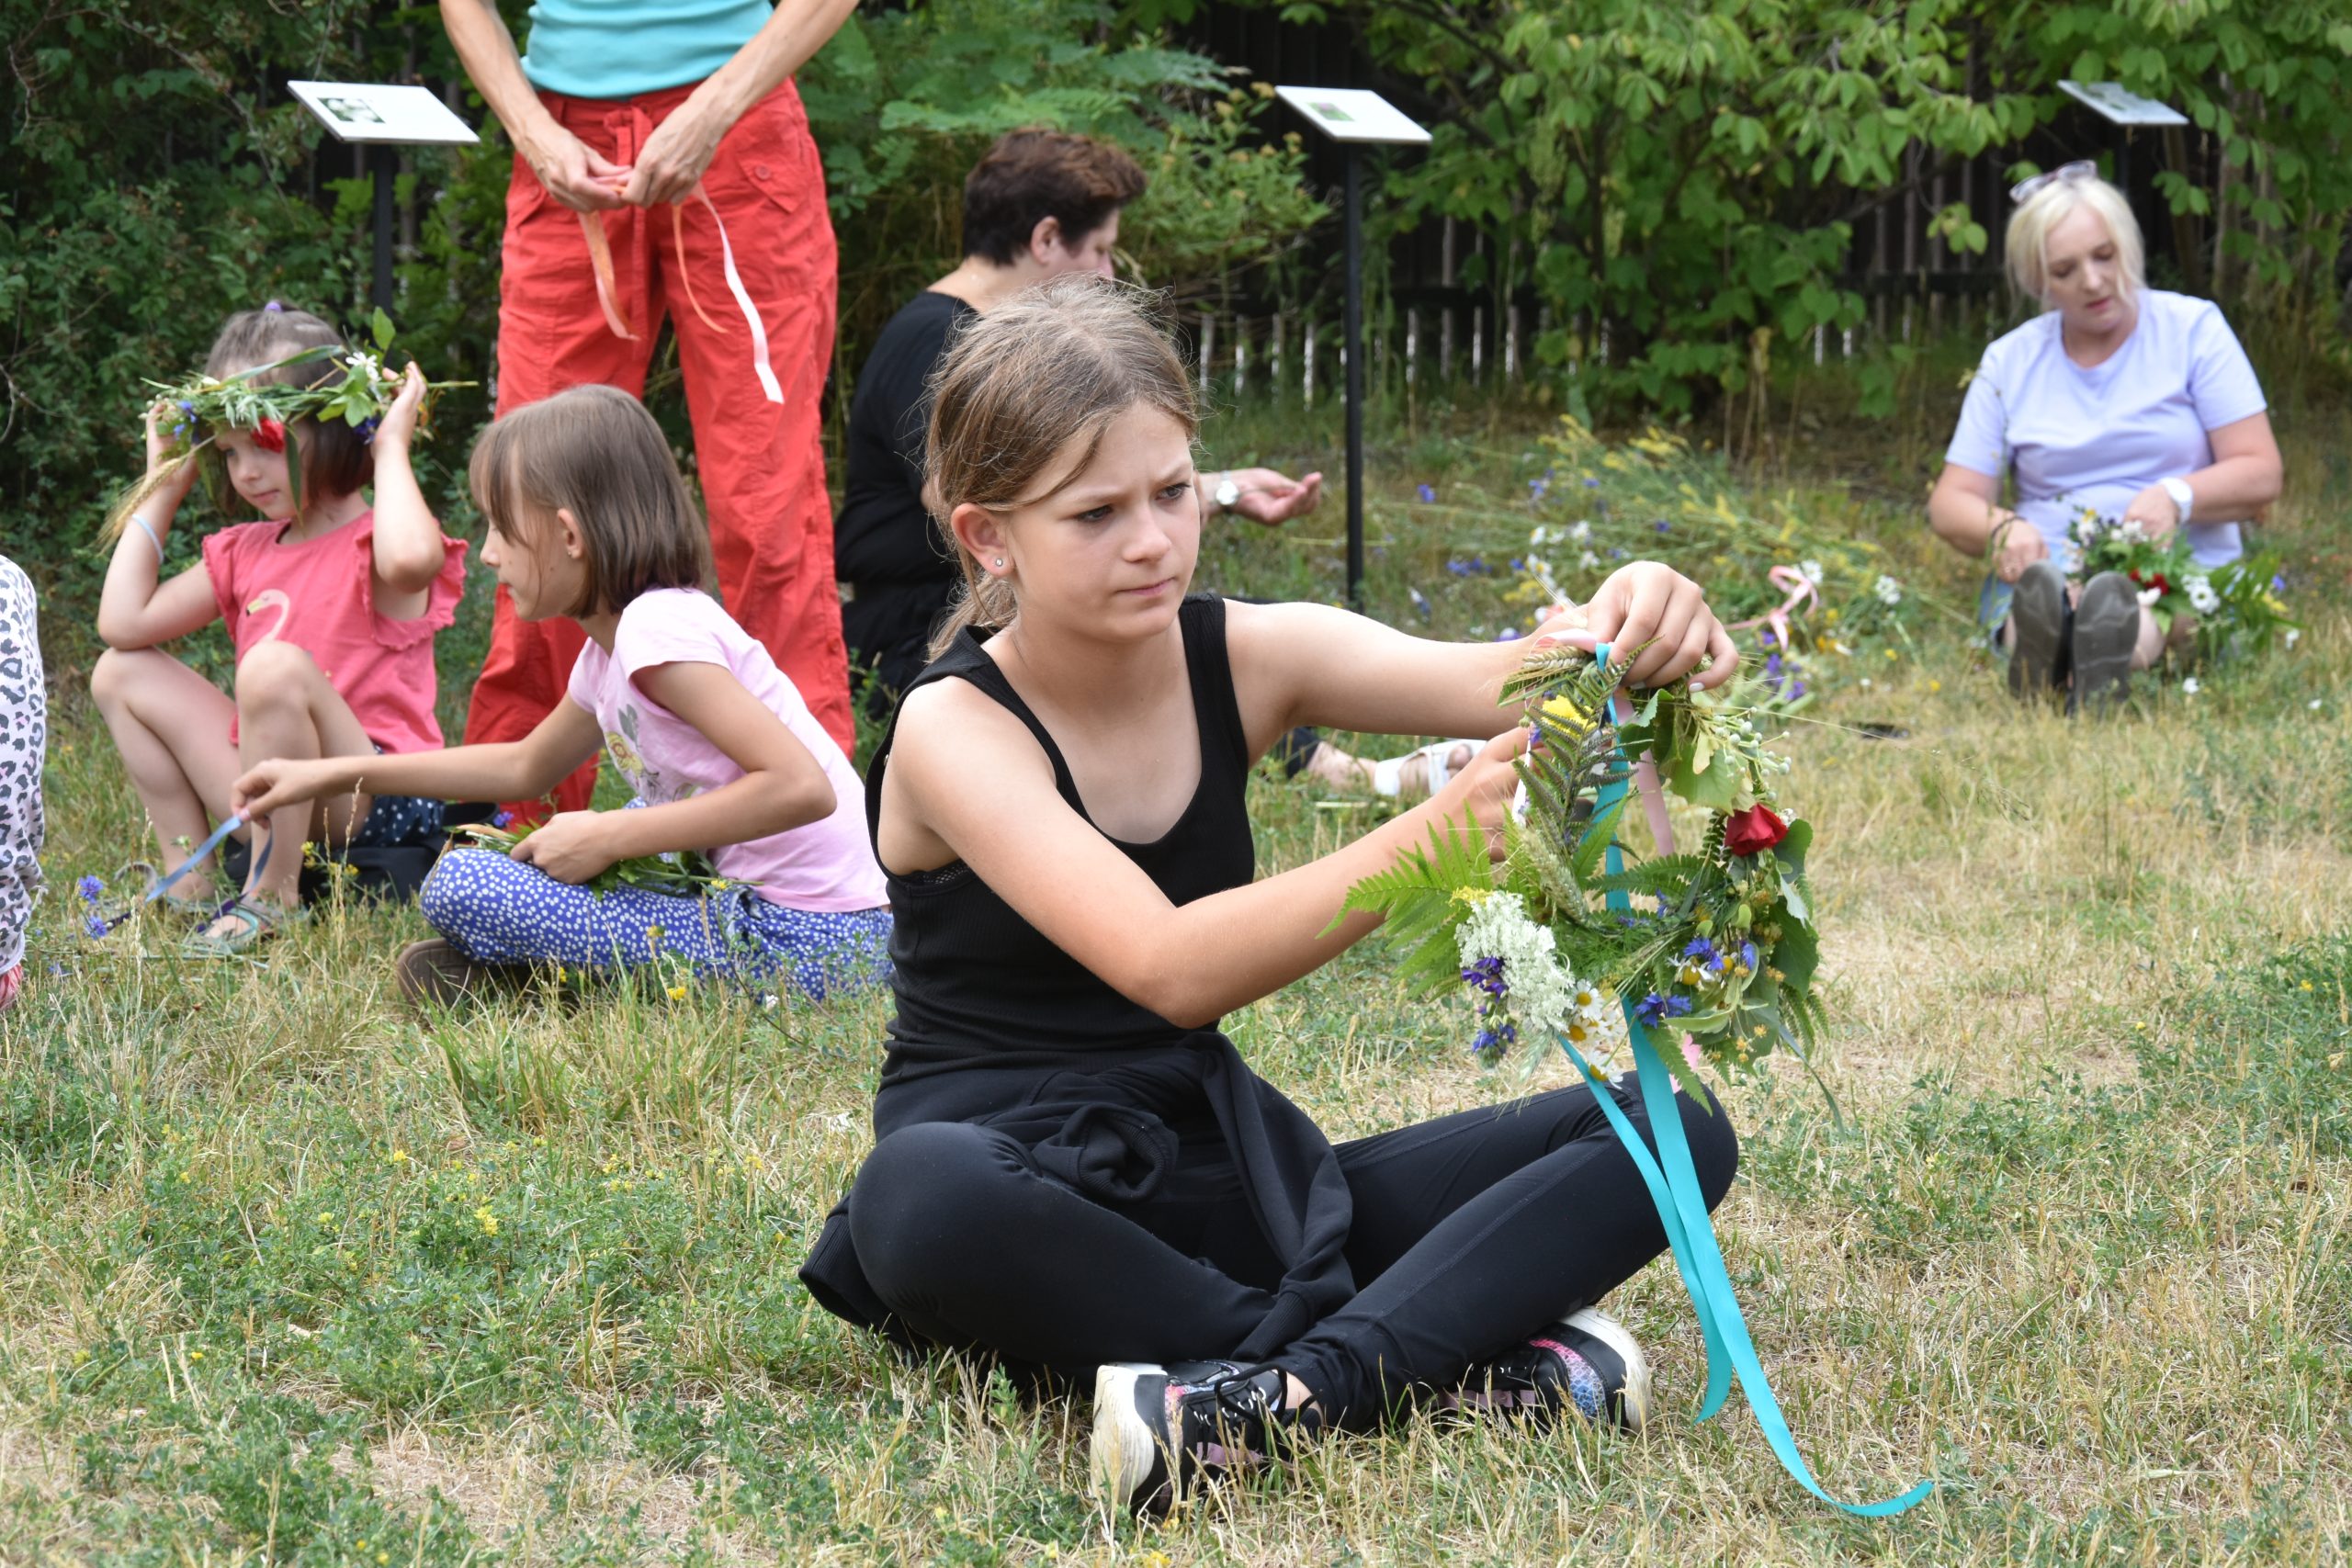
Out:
{"x": 1587, "y": 1363}
{"x": 1161, "y": 1433}
{"x": 2107, "y": 630}
{"x": 2037, "y": 625}
{"x": 434, "y": 973}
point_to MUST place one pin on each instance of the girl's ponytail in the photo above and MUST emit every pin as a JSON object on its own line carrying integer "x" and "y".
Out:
{"x": 1039, "y": 377}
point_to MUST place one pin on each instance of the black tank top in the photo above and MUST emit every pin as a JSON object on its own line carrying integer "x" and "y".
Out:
{"x": 971, "y": 973}
{"x": 998, "y": 1027}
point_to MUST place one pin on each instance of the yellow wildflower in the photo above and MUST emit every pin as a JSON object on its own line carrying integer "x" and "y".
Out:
{"x": 488, "y": 1221}
{"x": 677, "y": 993}
{"x": 400, "y": 1157}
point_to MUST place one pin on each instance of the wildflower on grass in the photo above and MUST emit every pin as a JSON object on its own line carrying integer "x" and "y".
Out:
{"x": 2189, "y": 687}
{"x": 486, "y": 1220}
{"x": 677, "y": 993}
{"x": 1536, "y": 487}
{"x": 400, "y": 1157}
{"x": 96, "y": 925}
{"x": 1591, "y": 483}
{"x": 326, "y": 1219}
{"x": 2292, "y": 634}
{"x": 1663, "y": 526}
{"x": 195, "y": 1355}
{"x": 1420, "y": 602}
{"x": 1427, "y": 493}
{"x": 90, "y": 887}
{"x": 1889, "y": 591}
{"x": 1811, "y": 571}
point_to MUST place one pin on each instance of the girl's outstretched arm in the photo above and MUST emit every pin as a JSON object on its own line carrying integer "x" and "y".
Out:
{"x": 972, "y": 784}
{"x": 136, "y": 607}
{"x": 783, "y": 786}
{"x": 510, "y": 770}
{"x": 1313, "y": 664}
{"x": 409, "y": 552}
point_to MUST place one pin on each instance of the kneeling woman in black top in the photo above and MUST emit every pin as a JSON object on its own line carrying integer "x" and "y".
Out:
{"x": 1073, "y": 1168}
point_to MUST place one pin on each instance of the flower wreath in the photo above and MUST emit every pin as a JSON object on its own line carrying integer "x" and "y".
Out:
{"x": 1724, "y": 949}
{"x": 272, "y": 409}
{"x": 1721, "y": 945}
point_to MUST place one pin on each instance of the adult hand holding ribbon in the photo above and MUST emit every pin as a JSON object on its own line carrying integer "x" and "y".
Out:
{"x": 1673, "y": 1182}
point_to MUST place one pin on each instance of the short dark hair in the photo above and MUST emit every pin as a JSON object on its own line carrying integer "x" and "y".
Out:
{"x": 336, "y": 459}
{"x": 1031, "y": 176}
{"x": 595, "y": 451}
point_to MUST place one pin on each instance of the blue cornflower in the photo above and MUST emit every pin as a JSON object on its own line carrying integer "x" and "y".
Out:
{"x": 1747, "y": 956}
{"x": 1519, "y": 563}
{"x": 188, "y": 408}
{"x": 1677, "y": 1007}
{"x": 1766, "y": 638}
{"x": 1796, "y": 688}
{"x": 90, "y": 887}
{"x": 1509, "y": 634}
{"x": 1616, "y": 554}
{"x": 501, "y": 818}
{"x": 1663, "y": 526}
{"x": 367, "y": 428}
{"x": 2279, "y": 583}
{"x": 1772, "y": 664}
{"x": 1591, "y": 484}
{"x": 1535, "y": 488}
{"x": 1427, "y": 493}
{"x": 1651, "y": 1008}
{"x": 96, "y": 925}
{"x": 1700, "y": 948}
{"x": 1486, "y": 974}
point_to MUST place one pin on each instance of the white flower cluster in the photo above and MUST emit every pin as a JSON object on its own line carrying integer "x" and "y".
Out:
{"x": 1544, "y": 997}
{"x": 2201, "y": 597}
{"x": 1811, "y": 571}
{"x": 366, "y": 362}
{"x": 1889, "y": 591}
{"x": 2130, "y": 532}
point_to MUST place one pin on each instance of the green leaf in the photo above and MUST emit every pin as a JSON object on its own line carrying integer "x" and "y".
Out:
{"x": 382, "y": 328}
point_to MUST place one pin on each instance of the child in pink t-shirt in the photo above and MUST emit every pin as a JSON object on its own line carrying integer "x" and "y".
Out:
{"x": 590, "y": 520}
{"x": 331, "y": 605}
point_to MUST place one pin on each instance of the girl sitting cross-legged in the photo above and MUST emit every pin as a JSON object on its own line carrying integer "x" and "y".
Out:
{"x": 332, "y": 605}
{"x": 588, "y": 520}
{"x": 1073, "y": 1169}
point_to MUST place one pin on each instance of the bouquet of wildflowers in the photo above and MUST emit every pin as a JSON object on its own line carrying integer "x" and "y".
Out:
{"x": 1566, "y": 938}
{"x": 680, "y": 873}
{"x": 2235, "y": 606}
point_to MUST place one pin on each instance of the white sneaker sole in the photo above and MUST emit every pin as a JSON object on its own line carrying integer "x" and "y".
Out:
{"x": 1635, "y": 1394}
{"x": 1122, "y": 1448}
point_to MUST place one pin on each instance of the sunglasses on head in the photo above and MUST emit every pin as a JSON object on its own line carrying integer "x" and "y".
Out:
{"x": 2070, "y": 174}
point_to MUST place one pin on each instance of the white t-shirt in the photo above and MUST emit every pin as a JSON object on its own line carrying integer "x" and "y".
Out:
{"x": 2096, "y": 437}
{"x": 823, "y": 866}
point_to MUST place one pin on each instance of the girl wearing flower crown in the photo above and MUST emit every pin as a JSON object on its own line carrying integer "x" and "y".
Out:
{"x": 1073, "y": 1168}
{"x": 332, "y": 604}
{"x": 590, "y": 520}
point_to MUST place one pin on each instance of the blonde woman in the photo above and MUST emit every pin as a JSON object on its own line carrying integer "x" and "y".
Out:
{"x": 2134, "y": 402}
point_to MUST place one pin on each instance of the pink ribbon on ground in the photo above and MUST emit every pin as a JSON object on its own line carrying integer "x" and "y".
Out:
{"x": 600, "y": 258}
{"x": 1798, "y": 587}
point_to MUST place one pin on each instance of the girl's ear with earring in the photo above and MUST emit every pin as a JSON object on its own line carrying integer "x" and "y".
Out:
{"x": 999, "y": 563}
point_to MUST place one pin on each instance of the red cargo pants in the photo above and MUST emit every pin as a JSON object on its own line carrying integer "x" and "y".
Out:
{"x": 761, "y": 468}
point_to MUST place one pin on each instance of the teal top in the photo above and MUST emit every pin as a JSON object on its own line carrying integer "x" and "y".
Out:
{"x": 617, "y": 49}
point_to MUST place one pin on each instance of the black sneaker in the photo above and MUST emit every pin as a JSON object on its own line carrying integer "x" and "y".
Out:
{"x": 2038, "y": 624}
{"x": 1587, "y": 1363}
{"x": 1160, "y": 1433}
{"x": 2107, "y": 630}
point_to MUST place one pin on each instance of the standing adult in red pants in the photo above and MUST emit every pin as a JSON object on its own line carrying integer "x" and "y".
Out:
{"x": 663, "y": 167}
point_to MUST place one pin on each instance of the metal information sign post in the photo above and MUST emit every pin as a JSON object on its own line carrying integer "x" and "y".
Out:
{"x": 1355, "y": 118}
{"x": 381, "y": 116}
{"x": 2127, "y": 110}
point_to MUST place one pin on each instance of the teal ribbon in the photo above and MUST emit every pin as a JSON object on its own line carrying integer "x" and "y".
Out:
{"x": 1673, "y": 1183}
{"x": 196, "y": 857}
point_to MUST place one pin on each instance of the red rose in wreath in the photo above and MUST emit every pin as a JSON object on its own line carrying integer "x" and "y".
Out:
{"x": 1754, "y": 831}
{"x": 2154, "y": 580}
{"x": 270, "y": 436}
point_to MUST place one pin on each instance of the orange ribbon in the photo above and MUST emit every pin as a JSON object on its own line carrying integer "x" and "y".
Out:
{"x": 600, "y": 258}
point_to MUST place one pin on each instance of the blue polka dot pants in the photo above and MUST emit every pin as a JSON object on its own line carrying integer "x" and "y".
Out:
{"x": 497, "y": 910}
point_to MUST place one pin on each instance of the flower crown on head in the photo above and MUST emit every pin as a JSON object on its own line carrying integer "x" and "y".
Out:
{"x": 358, "y": 397}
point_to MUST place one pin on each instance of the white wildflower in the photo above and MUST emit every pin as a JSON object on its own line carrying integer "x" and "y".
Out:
{"x": 2189, "y": 687}
{"x": 1582, "y": 533}
{"x": 2130, "y": 533}
{"x": 1588, "y": 560}
{"x": 2201, "y": 597}
{"x": 2292, "y": 633}
{"x": 1888, "y": 589}
{"x": 2313, "y": 704}
{"x": 1541, "y": 991}
{"x": 1811, "y": 571}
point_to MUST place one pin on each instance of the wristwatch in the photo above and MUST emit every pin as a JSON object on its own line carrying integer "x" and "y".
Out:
{"x": 1227, "y": 492}
{"x": 2182, "y": 496}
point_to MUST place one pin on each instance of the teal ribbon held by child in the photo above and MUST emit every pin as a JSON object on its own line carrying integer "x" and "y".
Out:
{"x": 1673, "y": 1183}
{"x": 162, "y": 884}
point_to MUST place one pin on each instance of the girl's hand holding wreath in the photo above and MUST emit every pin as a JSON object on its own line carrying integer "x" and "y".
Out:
{"x": 161, "y": 448}
{"x": 397, "y": 424}
{"x": 1484, "y": 789}
{"x": 1650, "y": 606}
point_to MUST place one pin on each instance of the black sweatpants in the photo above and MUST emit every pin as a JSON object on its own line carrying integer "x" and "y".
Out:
{"x": 1470, "y": 1233}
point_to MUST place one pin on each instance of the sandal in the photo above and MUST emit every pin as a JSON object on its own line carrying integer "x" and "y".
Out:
{"x": 145, "y": 877}
{"x": 1388, "y": 773}
{"x": 256, "y": 917}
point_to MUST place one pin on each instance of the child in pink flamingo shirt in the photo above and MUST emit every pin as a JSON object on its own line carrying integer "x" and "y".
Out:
{"x": 332, "y": 606}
